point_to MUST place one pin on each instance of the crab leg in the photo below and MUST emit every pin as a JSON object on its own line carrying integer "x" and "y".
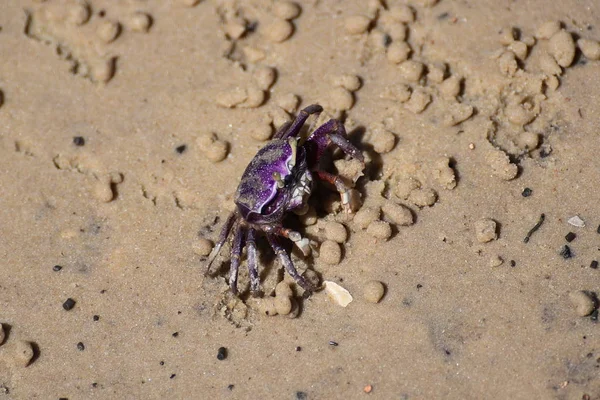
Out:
{"x": 252, "y": 263}
{"x": 282, "y": 130}
{"x": 299, "y": 241}
{"x": 287, "y": 263}
{"x": 332, "y": 131}
{"x": 222, "y": 238}
{"x": 303, "y": 115}
{"x": 341, "y": 187}
{"x": 236, "y": 253}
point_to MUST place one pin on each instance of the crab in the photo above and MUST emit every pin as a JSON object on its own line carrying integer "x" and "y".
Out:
{"x": 279, "y": 180}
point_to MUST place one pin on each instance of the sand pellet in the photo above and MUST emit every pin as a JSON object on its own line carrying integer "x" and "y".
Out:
{"x": 213, "y": 148}
{"x": 380, "y": 230}
{"x": 552, "y": 82}
{"x": 264, "y": 77}
{"x": 443, "y": 173}
{"x": 102, "y": 70}
{"x": 347, "y": 81}
{"x": 283, "y": 289}
{"x": 383, "y": 140}
{"x": 583, "y": 302}
{"x": 398, "y": 92}
{"x": 397, "y": 31}
{"x": 457, "y": 113}
{"x": 450, "y": 87}
{"x": 279, "y": 30}
{"x": 398, "y": 52}
{"x": 405, "y": 186}
{"x": 340, "y": 99}
{"x": 283, "y": 305}
{"x": 202, "y": 247}
{"x": 286, "y": 9}
{"x": 501, "y": 165}
{"x": 549, "y": 65}
{"x": 518, "y": 114}
{"x": 235, "y": 28}
{"x": 330, "y": 252}
{"x": 485, "y": 230}
{"x": 507, "y": 35}
{"x": 79, "y": 14}
{"x": 373, "y": 291}
{"x": 402, "y": 13}
{"x": 22, "y": 353}
{"x": 289, "y": 102}
{"x": 528, "y": 140}
{"x": 295, "y": 309}
{"x": 423, "y": 197}
{"x": 310, "y": 217}
{"x": 519, "y": 48}
{"x": 508, "y": 63}
{"x": 365, "y": 216}
{"x": 254, "y": 54}
{"x": 397, "y": 213}
{"x": 562, "y": 48}
{"x": 349, "y": 169}
{"x": 589, "y": 48}
{"x": 139, "y": 22}
{"x": 419, "y": 100}
{"x": 411, "y": 70}
{"x": 436, "y": 73}
{"x": 336, "y": 232}
{"x": 262, "y": 131}
{"x": 547, "y": 29}
{"x": 103, "y": 191}
{"x": 496, "y": 261}
{"x": 266, "y": 306}
{"x": 357, "y": 24}
{"x": 108, "y": 31}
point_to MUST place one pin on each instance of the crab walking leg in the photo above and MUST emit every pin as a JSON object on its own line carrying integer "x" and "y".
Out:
{"x": 339, "y": 185}
{"x": 222, "y": 238}
{"x": 332, "y": 131}
{"x": 299, "y": 241}
{"x": 303, "y": 115}
{"x": 236, "y": 254}
{"x": 282, "y": 130}
{"x": 252, "y": 263}
{"x": 287, "y": 263}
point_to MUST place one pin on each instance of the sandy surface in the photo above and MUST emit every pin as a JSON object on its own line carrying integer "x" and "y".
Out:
{"x": 456, "y": 130}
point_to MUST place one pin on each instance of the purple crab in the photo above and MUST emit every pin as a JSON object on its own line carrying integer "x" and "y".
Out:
{"x": 278, "y": 180}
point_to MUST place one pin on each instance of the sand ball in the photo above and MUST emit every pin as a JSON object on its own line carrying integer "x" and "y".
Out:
{"x": 380, "y": 230}
{"x": 357, "y": 24}
{"x": 365, "y": 216}
{"x": 330, "y": 252}
{"x": 373, "y": 291}
{"x": 336, "y": 232}
{"x": 583, "y": 302}
{"x": 202, "y": 247}
{"x": 279, "y": 30}
{"x": 485, "y": 230}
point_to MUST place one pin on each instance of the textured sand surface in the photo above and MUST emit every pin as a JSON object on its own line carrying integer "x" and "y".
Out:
{"x": 125, "y": 127}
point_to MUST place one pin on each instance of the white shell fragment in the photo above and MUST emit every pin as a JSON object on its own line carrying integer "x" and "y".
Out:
{"x": 576, "y": 221}
{"x": 338, "y": 294}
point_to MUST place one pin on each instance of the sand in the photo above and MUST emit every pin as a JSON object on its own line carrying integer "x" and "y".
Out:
{"x": 125, "y": 127}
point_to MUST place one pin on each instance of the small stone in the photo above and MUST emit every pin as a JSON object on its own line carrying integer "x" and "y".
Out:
{"x": 357, "y": 24}
{"x": 583, "y": 302}
{"x": 419, "y": 100}
{"x": 547, "y": 29}
{"x": 365, "y": 216}
{"x": 80, "y": 346}
{"x": 589, "y": 48}
{"x": 202, "y": 247}
{"x": 139, "y": 22}
{"x": 283, "y": 305}
{"x": 380, "y": 230}
{"x": 286, "y": 9}
{"x": 569, "y": 237}
{"x": 398, "y": 52}
{"x": 411, "y": 70}
{"x": 373, "y": 291}
{"x": 279, "y": 30}
{"x": 496, "y": 261}
{"x": 108, "y": 31}
{"x": 576, "y": 221}
{"x": 79, "y": 141}
{"x": 338, "y": 294}
{"x": 336, "y": 232}
{"x": 485, "y": 230}
{"x": 423, "y": 197}
{"x": 330, "y": 252}
{"x": 221, "y": 353}
{"x": 562, "y": 48}
{"x": 397, "y": 213}
{"x": 69, "y": 304}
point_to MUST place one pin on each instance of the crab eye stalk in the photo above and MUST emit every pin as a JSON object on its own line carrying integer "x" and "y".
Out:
{"x": 279, "y": 180}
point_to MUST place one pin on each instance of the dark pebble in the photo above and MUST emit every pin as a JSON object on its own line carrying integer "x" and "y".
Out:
{"x": 56, "y": 268}
{"x": 63, "y": 398}
{"x": 96, "y": 318}
{"x": 598, "y": 229}
{"x": 332, "y": 343}
{"x": 80, "y": 346}
{"x": 594, "y": 315}
{"x": 221, "y": 353}
{"x": 565, "y": 252}
{"x": 175, "y": 334}
{"x": 69, "y": 304}
{"x": 230, "y": 387}
{"x": 513, "y": 263}
{"x": 78, "y": 141}
{"x": 594, "y": 264}
{"x": 162, "y": 363}
{"x": 172, "y": 376}
{"x": 298, "y": 348}
{"x": 569, "y": 237}
{"x": 181, "y": 149}
{"x": 301, "y": 396}
{"x": 526, "y": 192}
{"x": 419, "y": 286}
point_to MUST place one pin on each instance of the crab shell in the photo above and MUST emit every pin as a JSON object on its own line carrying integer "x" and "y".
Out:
{"x": 276, "y": 181}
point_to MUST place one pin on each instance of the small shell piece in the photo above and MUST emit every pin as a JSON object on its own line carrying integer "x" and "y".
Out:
{"x": 338, "y": 294}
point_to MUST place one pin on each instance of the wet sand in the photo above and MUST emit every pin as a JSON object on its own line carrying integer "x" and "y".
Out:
{"x": 126, "y": 128}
